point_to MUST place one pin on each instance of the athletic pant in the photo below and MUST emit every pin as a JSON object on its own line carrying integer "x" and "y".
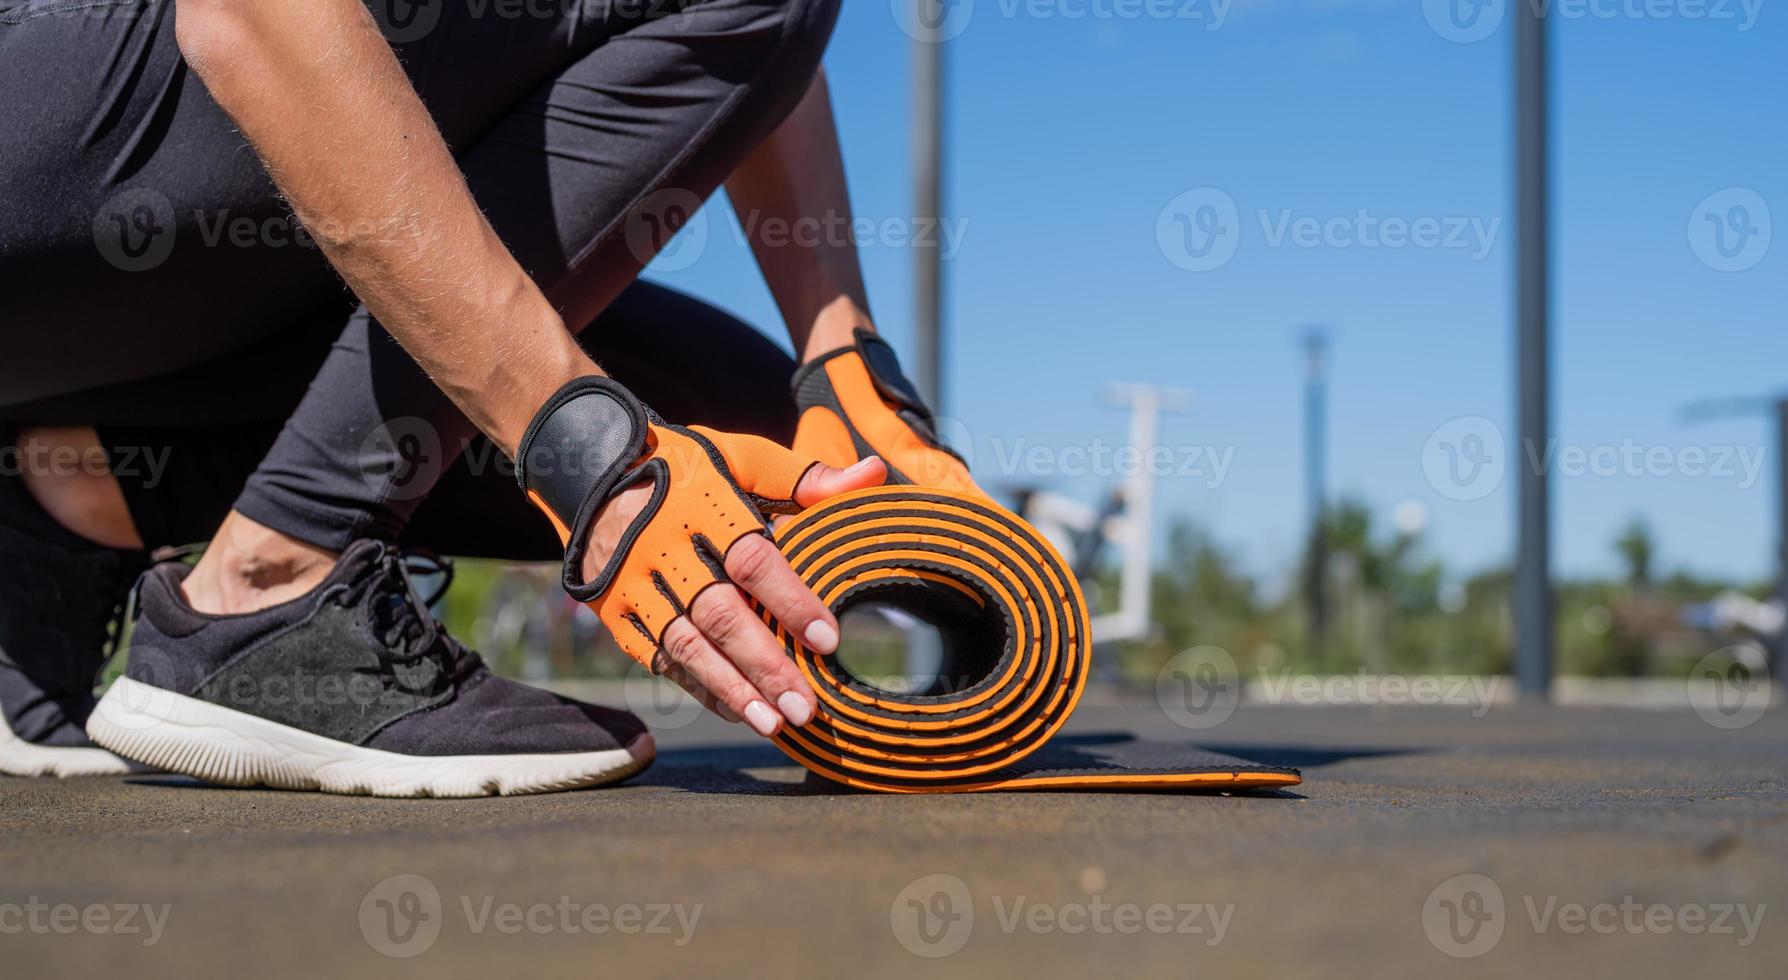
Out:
{"x": 152, "y": 283}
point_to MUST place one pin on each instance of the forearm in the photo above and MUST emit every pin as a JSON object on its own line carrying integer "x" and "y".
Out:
{"x": 328, "y": 108}
{"x": 796, "y": 176}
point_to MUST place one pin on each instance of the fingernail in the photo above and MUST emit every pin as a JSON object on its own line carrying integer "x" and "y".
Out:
{"x": 821, "y": 636}
{"x": 860, "y": 465}
{"x": 761, "y": 718}
{"x": 794, "y": 708}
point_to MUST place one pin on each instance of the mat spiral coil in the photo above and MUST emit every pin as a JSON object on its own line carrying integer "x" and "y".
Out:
{"x": 1017, "y": 650}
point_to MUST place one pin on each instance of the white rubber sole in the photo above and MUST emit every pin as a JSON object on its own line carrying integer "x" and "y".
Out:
{"x": 21, "y": 758}
{"x": 220, "y": 745}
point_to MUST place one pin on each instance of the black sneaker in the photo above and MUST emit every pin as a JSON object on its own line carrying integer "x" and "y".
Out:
{"x": 61, "y": 599}
{"x": 353, "y": 688}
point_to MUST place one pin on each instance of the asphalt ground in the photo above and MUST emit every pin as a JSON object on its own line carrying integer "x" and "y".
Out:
{"x": 1595, "y": 842}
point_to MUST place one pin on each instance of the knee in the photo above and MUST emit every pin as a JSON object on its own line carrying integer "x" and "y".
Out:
{"x": 68, "y": 475}
{"x": 805, "y": 28}
{"x": 768, "y": 42}
{"x": 813, "y": 20}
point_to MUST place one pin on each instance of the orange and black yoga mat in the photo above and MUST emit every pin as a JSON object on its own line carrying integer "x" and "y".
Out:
{"x": 1016, "y": 654}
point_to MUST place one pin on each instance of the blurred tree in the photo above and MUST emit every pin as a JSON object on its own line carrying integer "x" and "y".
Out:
{"x": 1391, "y": 612}
{"x": 1637, "y": 548}
{"x": 1199, "y": 596}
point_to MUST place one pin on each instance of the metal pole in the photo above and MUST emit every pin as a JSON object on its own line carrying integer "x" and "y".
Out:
{"x": 1139, "y": 513}
{"x": 1779, "y": 655}
{"x": 1533, "y": 564}
{"x": 1316, "y": 489}
{"x": 928, "y": 151}
{"x": 1135, "y": 531}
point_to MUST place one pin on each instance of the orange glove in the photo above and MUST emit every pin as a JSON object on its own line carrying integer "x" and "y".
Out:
{"x": 855, "y": 402}
{"x": 592, "y": 440}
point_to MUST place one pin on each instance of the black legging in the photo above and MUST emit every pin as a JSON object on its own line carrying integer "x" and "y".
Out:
{"x": 711, "y": 369}
{"x": 128, "y": 301}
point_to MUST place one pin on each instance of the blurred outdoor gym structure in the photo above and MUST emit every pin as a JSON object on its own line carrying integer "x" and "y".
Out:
{"x": 1370, "y": 600}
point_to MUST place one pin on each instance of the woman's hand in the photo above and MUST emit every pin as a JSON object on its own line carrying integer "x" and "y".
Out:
{"x": 664, "y": 526}
{"x": 719, "y": 651}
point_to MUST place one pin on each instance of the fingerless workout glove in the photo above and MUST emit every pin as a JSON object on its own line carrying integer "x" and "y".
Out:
{"x": 855, "y": 402}
{"x": 593, "y": 440}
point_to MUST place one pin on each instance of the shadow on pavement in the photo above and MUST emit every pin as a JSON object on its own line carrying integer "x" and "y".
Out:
{"x": 728, "y": 768}
{"x": 1307, "y": 757}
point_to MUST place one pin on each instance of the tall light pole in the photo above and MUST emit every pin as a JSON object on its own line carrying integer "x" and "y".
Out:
{"x": 1779, "y": 656}
{"x": 1534, "y": 609}
{"x": 928, "y": 199}
{"x": 1316, "y": 456}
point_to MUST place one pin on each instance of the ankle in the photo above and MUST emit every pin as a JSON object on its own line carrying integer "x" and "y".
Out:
{"x": 65, "y": 470}
{"x": 250, "y": 566}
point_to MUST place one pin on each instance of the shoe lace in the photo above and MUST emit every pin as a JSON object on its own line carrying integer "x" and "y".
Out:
{"x": 409, "y": 634}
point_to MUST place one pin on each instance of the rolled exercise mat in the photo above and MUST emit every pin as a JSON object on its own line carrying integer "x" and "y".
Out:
{"x": 1016, "y": 651}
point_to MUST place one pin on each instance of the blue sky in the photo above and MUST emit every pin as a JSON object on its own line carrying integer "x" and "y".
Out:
{"x": 1072, "y": 138}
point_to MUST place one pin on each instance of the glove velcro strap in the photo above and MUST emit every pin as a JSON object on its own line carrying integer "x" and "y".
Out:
{"x": 884, "y": 369}
{"x": 576, "y": 452}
